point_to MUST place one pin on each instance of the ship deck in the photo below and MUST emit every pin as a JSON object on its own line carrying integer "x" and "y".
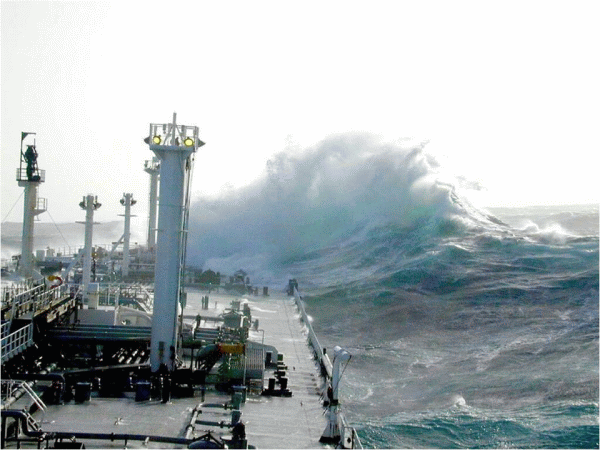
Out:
{"x": 271, "y": 422}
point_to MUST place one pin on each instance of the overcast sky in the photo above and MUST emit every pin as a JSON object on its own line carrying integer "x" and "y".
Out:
{"x": 506, "y": 92}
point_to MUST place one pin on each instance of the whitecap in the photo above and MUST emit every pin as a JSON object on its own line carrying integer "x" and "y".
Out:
{"x": 459, "y": 401}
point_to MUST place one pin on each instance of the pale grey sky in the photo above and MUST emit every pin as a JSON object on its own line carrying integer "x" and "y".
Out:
{"x": 505, "y": 91}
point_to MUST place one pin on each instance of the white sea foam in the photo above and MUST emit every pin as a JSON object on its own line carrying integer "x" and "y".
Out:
{"x": 458, "y": 400}
{"x": 310, "y": 200}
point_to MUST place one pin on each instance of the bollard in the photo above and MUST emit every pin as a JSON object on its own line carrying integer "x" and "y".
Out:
{"x": 283, "y": 382}
{"x": 142, "y": 392}
{"x": 83, "y": 392}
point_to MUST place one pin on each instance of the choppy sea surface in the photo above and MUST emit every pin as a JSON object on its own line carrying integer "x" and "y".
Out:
{"x": 468, "y": 336}
{"x": 469, "y": 327}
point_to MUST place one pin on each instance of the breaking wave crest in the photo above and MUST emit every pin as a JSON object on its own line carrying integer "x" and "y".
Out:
{"x": 337, "y": 191}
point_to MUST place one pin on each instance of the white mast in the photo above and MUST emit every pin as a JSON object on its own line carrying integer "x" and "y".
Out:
{"x": 174, "y": 145}
{"x": 152, "y": 168}
{"x": 89, "y": 204}
{"x": 29, "y": 176}
{"x": 128, "y": 202}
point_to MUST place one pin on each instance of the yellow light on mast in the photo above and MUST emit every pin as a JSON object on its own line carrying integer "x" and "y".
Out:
{"x": 188, "y": 142}
{"x": 157, "y": 139}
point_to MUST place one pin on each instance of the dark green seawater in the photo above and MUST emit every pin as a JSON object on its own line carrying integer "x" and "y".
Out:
{"x": 469, "y": 327}
{"x": 484, "y": 337}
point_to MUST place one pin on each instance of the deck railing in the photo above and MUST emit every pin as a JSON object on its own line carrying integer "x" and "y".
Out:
{"x": 321, "y": 356}
{"x": 349, "y": 437}
{"x": 34, "y": 299}
{"x": 5, "y": 329}
{"x": 8, "y": 292}
{"x": 25, "y": 303}
{"x": 16, "y": 342}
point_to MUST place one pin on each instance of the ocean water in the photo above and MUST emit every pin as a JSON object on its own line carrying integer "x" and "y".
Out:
{"x": 468, "y": 327}
{"x": 469, "y": 337}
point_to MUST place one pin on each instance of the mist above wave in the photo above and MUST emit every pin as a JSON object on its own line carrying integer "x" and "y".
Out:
{"x": 307, "y": 200}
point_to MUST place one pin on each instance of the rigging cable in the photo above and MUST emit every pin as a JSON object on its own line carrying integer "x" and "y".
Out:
{"x": 58, "y": 229}
{"x": 13, "y": 206}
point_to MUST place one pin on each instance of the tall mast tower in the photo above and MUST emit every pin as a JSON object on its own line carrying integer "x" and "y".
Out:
{"x": 29, "y": 176}
{"x": 127, "y": 201}
{"x": 153, "y": 169}
{"x": 174, "y": 145}
{"x": 89, "y": 204}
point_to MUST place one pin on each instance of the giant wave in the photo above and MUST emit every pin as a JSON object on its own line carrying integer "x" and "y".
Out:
{"x": 326, "y": 196}
{"x": 466, "y": 330}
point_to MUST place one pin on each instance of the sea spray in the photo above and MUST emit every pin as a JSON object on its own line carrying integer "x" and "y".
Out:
{"x": 320, "y": 197}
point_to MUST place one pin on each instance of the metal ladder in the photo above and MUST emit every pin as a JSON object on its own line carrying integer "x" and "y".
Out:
{"x": 32, "y": 424}
{"x": 36, "y": 399}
